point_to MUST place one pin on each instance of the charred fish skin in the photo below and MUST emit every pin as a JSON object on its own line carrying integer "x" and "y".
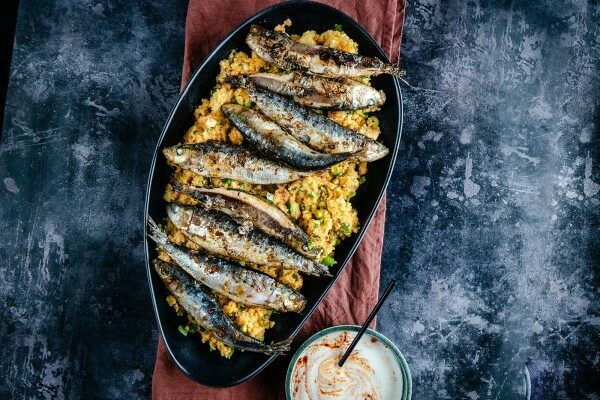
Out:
{"x": 317, "y": 131}
{"x": 279, "y": 49}
{"x": 228, "y": 161}
{"x": 252, "y": 212}
{"x": 268, "y": 138}
{"x": 233, "y": 281}
{"x": 220, "y": 235}
{"x": 205, "y": 310}
{"x": 319, "y": 92}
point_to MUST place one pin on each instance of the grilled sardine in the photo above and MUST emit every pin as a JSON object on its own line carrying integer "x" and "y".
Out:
{"x": 220, "y": 235}
{"x": 278, "y": 48}
{"x": 229, "y": 161}
{"x": 251, "y": 211}
{"x": 231, "y": 280}
{"x": 269, "y": 139}
{"x": 319, "y": 92}
{"x": 201, "y": 306}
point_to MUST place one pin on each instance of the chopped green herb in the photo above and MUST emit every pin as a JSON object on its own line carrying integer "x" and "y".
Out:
{"x": 345, "y": 228}
{"x": 336, "y": 171}
{"x": 316, "y": 223}
{"x": 248, "y": 103}
{"x": 312, "y": 195}
{"x": 270, "y": 197}
{"x": 228, "y": 181}
{"x": 374, "y": 120}
{"x": 182, "y": 330}
{"x": 338, "y": 27}
{"x": 310, "y": 245}
{"x": 193, "y": 328}
{"x": 361, "y": 179}
{"x": 352, "y": 195}
{"x": 328, "y": 261}
{"x": 296, "y": 276}
{"x": 294, "y": 208}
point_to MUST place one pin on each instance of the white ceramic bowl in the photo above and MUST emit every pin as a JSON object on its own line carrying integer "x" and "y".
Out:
{"x": 406, "y": 391}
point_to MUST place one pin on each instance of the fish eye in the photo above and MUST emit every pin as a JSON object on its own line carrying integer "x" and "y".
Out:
{"x": 179, "y": 150}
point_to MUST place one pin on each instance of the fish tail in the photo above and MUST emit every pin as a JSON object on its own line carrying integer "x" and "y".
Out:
{"x": 322, "y": 270}
{"x": 280, "y": 347}
{"x": 394, "y": 69}
{"x": 156, "y": 233}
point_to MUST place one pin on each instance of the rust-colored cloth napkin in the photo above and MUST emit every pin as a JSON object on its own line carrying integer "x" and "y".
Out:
{"x": 356, "y": 290}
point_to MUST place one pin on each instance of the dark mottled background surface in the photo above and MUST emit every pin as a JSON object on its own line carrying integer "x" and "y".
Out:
{"x": 493, "y": 223}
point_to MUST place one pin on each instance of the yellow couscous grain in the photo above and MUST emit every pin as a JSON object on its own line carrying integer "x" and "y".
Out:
{"x": 320, "y": 203}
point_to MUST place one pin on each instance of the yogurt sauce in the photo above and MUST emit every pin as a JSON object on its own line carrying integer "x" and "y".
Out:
{"x": 371, "y": 372}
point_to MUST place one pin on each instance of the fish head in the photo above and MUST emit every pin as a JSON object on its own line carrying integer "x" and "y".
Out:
{"x": 363, "y": 96}
{"x": 295, "y": 302}
{"x": 178, "y": 154}
{"x": 180, "y": 215}
{"x": 169, "y": 273}
{"x": 163, "y": 269}
{"x": 265, "y": 42}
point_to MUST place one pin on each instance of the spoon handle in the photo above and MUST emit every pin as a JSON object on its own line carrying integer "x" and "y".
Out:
{"x": 362, "y": 330}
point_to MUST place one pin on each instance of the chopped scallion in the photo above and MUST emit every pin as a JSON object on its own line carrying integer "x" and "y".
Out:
{"x": 345, "y": 229}
{"x": 374, "y": 121}
{"x": 294, "y": 208}
{"x": 328, "y": 261}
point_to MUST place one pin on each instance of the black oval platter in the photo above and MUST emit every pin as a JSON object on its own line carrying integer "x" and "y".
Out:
{"x": 191, "y": 356}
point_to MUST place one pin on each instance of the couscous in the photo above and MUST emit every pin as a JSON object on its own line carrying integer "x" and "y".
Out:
{"x": 319, "y": 203}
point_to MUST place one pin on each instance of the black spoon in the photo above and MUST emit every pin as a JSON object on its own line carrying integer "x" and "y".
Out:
{"x": 363, "y": 329}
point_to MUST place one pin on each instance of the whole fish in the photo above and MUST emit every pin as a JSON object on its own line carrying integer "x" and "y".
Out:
{"x": 220, "y": 235}
{"x": 252, "y": 212}
{"x": 229, "y": 161}
{"x": 319, "y": 92}
{"x": 233, "y": 281}
{"x": 268, "y": 138}
{"x": 278, "y": 48}
{"x": 317, "y": 131}
{"x": 201, "y": 306}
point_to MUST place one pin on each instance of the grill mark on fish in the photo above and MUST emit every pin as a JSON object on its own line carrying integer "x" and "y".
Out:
{"x": 252, "y": 212}
{"x": 202, "y": 306}
{"x": 220, "y": 235}
{"x": 268, "y": 138}
{"x": 228, "y": 161}
{"x": 320, "y": 92}
{"x": 231, "y": 280}
{"x": 279, "y": 49}
{"x": 317, "y": 131}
